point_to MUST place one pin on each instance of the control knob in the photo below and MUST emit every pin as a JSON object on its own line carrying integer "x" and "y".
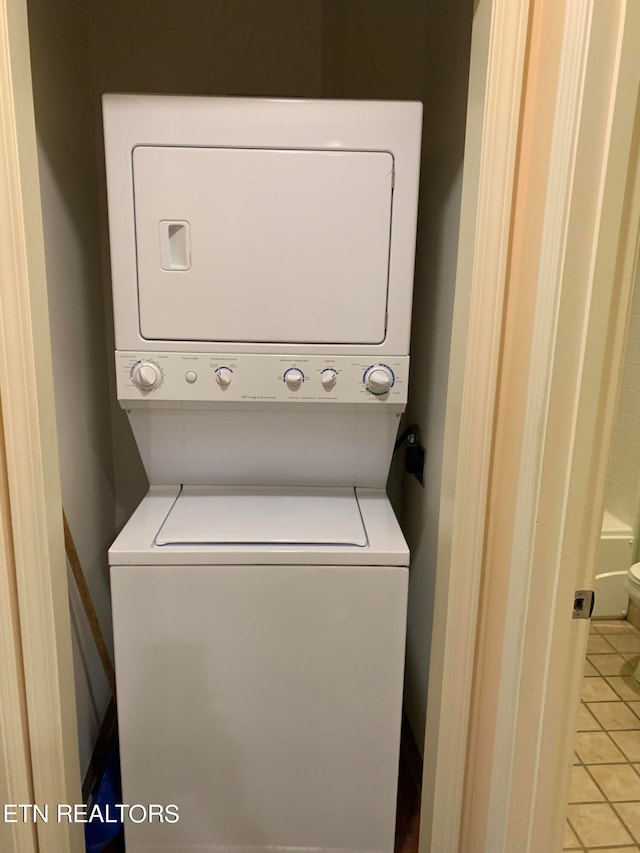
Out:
{"x": 293, "y": 378}
{"x": 328, "y": 377}
{"x": 379, "y": 379}
{"x": 146, "y": 375}
{"x": 224, "y": 377}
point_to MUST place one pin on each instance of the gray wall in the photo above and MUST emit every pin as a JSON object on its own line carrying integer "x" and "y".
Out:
{"x": 333, "y": 48}
{"x": 446, "y": 69}
{"x": 213, "y": 47}
{"x": 69, "y": 201}
{"x": 336, "y": 48}
{"x": 79, "y": 50}
{"x": 417, "y": 51}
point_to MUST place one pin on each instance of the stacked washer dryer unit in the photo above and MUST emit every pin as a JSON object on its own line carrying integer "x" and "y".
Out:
{"x": 262, "y": 259}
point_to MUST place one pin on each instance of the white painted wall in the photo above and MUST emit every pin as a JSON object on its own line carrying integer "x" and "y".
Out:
{"x": 446, "y": 67}
{"x": 622, "y": 497}
{"x": 69, "y": 202}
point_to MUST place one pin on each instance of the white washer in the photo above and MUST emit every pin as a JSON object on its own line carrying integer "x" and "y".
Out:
{"x": 260, "y": 676}
{"x": 262, "y": 258}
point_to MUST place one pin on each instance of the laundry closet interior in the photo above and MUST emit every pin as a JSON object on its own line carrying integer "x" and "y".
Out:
{"x": 339, "y": 49}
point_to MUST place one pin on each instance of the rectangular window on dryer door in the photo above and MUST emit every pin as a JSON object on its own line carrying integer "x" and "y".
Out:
{"x": 262, "y": 245}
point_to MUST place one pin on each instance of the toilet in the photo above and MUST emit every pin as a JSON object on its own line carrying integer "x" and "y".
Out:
{"x": 632, "y": 587}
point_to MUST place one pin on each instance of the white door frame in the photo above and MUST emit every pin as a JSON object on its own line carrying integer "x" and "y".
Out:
{"x": 32, "y": 533}
{"x": 590, "y": 289}
{"x": 498, "y": 49}
{"x": 16, "y": 783}
{"x": 534, "y": 353}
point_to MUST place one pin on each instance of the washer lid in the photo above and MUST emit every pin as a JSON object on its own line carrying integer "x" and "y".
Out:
{"x": 259, "y": 516}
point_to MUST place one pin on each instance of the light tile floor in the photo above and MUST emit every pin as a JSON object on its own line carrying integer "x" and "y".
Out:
{"x": 604, "y": 798}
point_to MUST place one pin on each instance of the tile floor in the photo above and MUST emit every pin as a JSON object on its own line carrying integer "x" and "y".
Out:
{"x": 604, "y": 798}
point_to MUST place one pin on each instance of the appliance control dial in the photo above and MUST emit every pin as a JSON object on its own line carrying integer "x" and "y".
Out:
{"x": 224, "y": 376}
{"x": 146, "y": 375}
{"x": 379, "y": 379}
{"x": 328, "y": 377}
{"x": 293, "y": 378}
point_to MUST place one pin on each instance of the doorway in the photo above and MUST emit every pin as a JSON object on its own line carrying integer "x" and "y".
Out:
{"x": 340, "y": 49}
{"x": 604, "y": 790}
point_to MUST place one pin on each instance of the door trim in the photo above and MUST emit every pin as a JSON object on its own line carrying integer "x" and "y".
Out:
{"x": 498, "y": 50}
{"x": 567, "y": 300}
{"x": 583, "y": 385}
{"x": 16, "y": 783}
{"x": 30, "y": 445}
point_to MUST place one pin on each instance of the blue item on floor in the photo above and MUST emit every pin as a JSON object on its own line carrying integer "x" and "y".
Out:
{"x": 106, "y": 794}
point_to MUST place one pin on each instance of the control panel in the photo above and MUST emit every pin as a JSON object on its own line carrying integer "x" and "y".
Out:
{"x": 244, "y": 378}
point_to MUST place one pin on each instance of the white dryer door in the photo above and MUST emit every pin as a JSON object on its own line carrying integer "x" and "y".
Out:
{"x": 265, "y": 516}
{"x": 262, "y": 245}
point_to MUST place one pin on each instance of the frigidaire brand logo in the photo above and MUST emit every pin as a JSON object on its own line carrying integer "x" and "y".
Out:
{"x": 257, "y": 397}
